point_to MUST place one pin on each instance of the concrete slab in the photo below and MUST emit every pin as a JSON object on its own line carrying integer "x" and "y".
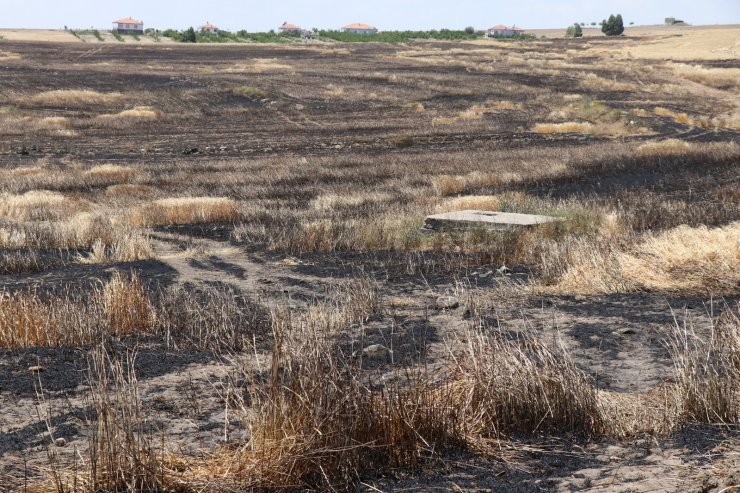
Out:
{"x": 486, "y": 219}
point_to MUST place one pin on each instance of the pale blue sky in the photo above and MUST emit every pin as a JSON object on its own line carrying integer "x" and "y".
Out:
{"x": 262, "y": 15}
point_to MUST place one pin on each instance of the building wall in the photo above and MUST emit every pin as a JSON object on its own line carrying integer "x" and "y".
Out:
{"x": 130, "y": 29}
{"x": 361, "y": 31}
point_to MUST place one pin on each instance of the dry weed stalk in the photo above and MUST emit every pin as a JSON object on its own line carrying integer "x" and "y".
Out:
{"x": 708, "y": 371}
{"x": 123, "y": 453}
{"x": 120, "y": 307}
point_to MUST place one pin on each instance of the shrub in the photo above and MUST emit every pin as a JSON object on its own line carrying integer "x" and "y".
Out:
{"x": 574, "y": 31}
{"x": 189, "y": 36}
{"x": 614, "y": 26}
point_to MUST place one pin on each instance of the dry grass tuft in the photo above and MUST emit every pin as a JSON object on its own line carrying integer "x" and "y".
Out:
{"x": 129, "y": 246}
{"x": 682, "y": 118}
{"x": 320, "y": 422}
{"x": 597, "y": 83}
{"x": 136, "y": 113}
{"x": 119, "y": 308}
{"x": 668, "y": 147}
{"x": 126, "y": 305}
{"x": 335, "y": 201}
{"x": 185, "y": 210}
{"x": 54, "y": 121}
{"x": 563, "y": 128}
{"x": 75, "y": 97}
{"x": 682, "y": 259}
{"x": 39, "y": 205}
{"x": 250, "y": 92}
{"x": 445, "y": 185}
{"x": 110, "y": 173}
{"x": 715, "y": 77}
{"x": 130, "y": 190}
{"x": 334, "y": 91}
{"x": 708, "y": 371}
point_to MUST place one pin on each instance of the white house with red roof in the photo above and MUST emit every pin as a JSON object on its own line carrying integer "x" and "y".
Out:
{"x": 129, "y": 26}
{"x": 209, "y": 28}
{"x": 503, "y": 31}
{"x": 287, "y": 27}
{"x": 359, "y": 28}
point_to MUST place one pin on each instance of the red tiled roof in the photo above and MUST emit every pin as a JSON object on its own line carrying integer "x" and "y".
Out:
{"x": 127, "y": 20}
{"x": 208, "y": 25}
{"x": 289, "y": 27}
{"x": 501, "y": 27}
{"x": 359, "y": 25}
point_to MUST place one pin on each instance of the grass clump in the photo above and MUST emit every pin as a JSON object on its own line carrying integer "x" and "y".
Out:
{"x": 138, "y": 113}
{"x": 109, "y": 174}
{"x": 76, "y": 97}
{"x": 667, "y": 147}
{"x": 707, "y": 371}
{"x": 118, "y": 308}
{"x": 185, "y": 210}
{"x": 250, "y": 92}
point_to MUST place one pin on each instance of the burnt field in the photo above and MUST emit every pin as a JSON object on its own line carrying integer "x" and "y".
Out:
{"x": 213, "y": 274}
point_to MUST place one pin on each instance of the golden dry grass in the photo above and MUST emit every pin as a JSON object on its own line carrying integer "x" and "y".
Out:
{"x": 120, "y": 308}
{"x": 597, "y": 83}
{"x": 136, "y": 113}
{"x": 716, "y": 77}
{"x": 445, "y": 185}
{"x": 110, "y": 173}
{"x": 126, "y": 246}
{"x": 563, "y": 128}
{"x": 668, "y": 147}
{"x": 9, "y": 55}
{"x": 39, "y": 205}
{"x": 682, "y": 259}
{"x": 126, "y": 305}
{"x": 76, "y": 97}
{"x": 611, "y": 129}
{"x": 130, "y": 190}
{"x": 335, "y": 201}
{"x": 257, "y": 66}
{"x": 185, "y": 210}
{"x": 682, "y": 118}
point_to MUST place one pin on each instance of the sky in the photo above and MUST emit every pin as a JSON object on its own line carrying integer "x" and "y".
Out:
{"x": 263, "y": 15}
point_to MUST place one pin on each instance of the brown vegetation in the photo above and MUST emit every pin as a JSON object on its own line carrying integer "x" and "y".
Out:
{"x": 277, "y": 230}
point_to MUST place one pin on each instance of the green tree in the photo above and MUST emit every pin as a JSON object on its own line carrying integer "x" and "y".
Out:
{"x": 470, "y": 30}
{"x": 574, "y": 31}
{"x": 614, "y": 26}
{"x": 189, "y": 36}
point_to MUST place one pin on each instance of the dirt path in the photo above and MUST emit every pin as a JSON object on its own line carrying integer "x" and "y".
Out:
{"x": 206, "y": 261}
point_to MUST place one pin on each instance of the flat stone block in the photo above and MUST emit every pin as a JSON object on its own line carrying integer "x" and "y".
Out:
{"x": 485, "y": 219}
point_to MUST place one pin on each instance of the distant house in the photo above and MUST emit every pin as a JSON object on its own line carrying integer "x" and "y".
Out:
{"x": 503, "y": 31}
{"x": 129, "y": 26}
{"x": 290, "y": 28}
{"x": 209, "y": 28}
{"x": 672, "y": 21}
{"x": 359, "y": 28}
{"x": 307, "y": 34}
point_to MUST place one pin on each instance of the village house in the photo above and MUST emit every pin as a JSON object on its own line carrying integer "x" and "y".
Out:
{"x": 209, "y": 28}
{"x": 129, "y": 26}
{"x": 290, "y": 28}
{"x": 503, "y": 31}
{"x": 359, "y": 28}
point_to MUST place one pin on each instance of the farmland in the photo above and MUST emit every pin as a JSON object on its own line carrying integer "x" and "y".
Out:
{"x": 213, "y": 275}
